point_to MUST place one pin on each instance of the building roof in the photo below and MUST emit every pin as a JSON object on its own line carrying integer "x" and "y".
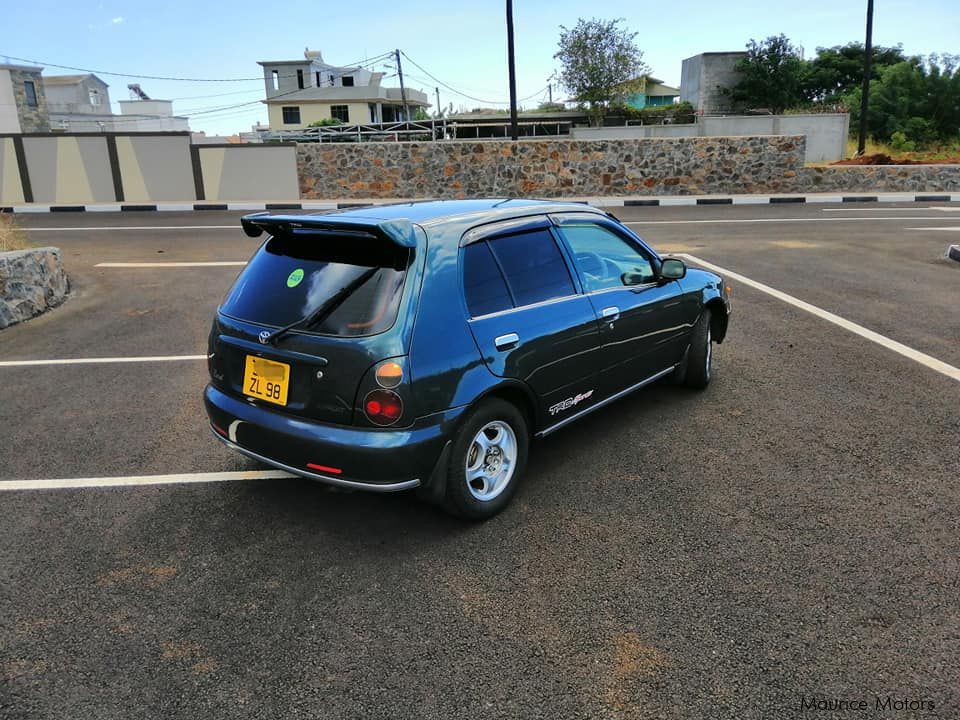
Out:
{"x": 28, "y": 68}
{"x": 70, "y": 79}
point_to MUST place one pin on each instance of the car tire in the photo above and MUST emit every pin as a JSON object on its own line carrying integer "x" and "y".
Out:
{"x": 699, "y": 360}
{"x": 487, "y": 459}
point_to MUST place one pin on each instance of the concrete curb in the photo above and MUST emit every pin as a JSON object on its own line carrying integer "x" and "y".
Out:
{"x": 636, "y": 201}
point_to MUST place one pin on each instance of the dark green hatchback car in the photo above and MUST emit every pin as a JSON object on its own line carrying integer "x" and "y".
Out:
{"x": 422, "y": 346}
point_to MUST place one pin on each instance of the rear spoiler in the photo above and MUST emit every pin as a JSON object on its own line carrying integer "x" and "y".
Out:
{"x": 400, "y": 231}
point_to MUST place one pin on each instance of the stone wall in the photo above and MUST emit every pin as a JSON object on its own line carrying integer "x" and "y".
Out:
{"x": 593, "y": 168}
{"x": 32, "y": 119}
{"x": 550, "y": 168}
{"x": 31, "y": 281}
{"x": 879, "y": 178}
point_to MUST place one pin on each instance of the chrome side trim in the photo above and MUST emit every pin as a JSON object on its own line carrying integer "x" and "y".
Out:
{"x": 617, "y": 396}
{"x": 339, "y": 482}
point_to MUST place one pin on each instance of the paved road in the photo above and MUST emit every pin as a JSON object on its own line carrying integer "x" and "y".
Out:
{"x": 791, "y": 532}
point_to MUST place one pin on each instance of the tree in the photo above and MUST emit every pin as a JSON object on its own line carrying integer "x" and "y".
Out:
{"x": 838, "y": 70}
{"x": 599, "y": 59}
{"x": 771, "y": 76}
{"x": 916, "y": 103}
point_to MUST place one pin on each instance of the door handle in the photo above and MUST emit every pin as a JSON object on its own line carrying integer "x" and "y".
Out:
{"x": 611, "y": 313}
{"x": 507, "y": 342}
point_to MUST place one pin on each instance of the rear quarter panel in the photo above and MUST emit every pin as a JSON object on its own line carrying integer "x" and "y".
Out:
{"x": 445, "y": 366}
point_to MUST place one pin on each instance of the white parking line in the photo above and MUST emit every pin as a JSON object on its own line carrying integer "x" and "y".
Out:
{"x": 178, "y": 479}
{"x": 948, "y": 229}
{"x": 103, "y": 360}
{"x": 230, "y": 263}
{"x": 908, "y": 352}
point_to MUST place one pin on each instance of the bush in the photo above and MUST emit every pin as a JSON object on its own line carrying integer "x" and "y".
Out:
{"x": 326, "y": 122}
{"x": 663, "y": 115}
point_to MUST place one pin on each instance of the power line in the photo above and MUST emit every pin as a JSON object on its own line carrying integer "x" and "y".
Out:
{"x": 434, "y": 78}
{"x": 355, "y": 65}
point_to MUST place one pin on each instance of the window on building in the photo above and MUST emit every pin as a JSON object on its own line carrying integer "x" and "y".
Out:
{"x": 348, "y": 80}
{"x": 291, "y": 115}
{"x": 331, "y": 80}
{"x": 373, "y": 112}
{"x": 340, "y": 112}
{"x": 275, "y": 79}
{"x": 31, "y": 92}
{"x": 317, "y": 74}
{"x": 300, "y": 79}
{"x": 94, "y": 98}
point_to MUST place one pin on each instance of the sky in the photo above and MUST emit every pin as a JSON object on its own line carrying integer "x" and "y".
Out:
{"x": 461, "y": 44}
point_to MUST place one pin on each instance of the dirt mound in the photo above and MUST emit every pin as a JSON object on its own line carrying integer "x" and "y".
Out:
{"x": 883, "y": 159}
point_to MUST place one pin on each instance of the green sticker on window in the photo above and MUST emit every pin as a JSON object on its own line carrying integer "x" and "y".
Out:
{"x": 294, "y": 278}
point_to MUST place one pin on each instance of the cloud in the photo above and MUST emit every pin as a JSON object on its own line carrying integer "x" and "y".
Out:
{"x": 117, "y": 20}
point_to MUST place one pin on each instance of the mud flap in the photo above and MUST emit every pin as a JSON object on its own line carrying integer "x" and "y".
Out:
{"x": 435, "y": 489}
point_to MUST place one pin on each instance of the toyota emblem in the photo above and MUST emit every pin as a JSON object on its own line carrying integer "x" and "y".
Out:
{"x": 264, "y": 337}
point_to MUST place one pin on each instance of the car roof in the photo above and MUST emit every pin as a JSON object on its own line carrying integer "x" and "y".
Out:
{"x": 438, "y": 212}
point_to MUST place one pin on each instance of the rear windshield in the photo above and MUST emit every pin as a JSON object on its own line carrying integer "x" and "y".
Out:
{"x": 359, "y": 277}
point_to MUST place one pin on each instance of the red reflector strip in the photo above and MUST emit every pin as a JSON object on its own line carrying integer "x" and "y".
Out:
{"x": 219, "y": 429}
{"x": 324, "y": 468}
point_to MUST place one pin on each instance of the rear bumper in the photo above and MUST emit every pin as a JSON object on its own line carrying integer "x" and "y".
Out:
{"x": 379, "y": 460}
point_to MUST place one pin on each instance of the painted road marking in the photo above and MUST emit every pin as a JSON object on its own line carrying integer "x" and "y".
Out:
{"x": 179, "y": 479}
{"x": 133, "y": 227}
{"x": 948, "y": 229}
{"x": 226, "y": 263}
{"x": 908, "y": 352}
{"x": 103, "y": 360}
{"x": 880, "y": 209}
{"x": 737, "y": 221}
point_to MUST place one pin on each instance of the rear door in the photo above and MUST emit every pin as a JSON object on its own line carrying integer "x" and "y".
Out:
{"x": 528, "y": 318}
{"x": 642, "y": 321}
{"x": 360, "y": 280}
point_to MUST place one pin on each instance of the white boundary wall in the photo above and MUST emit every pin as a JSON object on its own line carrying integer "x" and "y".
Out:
{"x": 826, "y": 133}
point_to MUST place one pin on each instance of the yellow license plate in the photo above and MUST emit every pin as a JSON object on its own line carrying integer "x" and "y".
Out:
{"x": 266, "y": 380}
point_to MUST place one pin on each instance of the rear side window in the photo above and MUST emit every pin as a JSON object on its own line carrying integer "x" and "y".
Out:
{"x": 352, "y": 281}
{"x": 514, "y": 271}
{"x": 533, "y": 266}
{"x": 483, "y": 284}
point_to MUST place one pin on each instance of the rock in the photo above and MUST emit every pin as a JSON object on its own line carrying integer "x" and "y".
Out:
{"x": 31, "y": 282}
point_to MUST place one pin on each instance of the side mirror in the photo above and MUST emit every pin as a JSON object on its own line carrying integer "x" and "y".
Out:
{"x": 672, "y": 269}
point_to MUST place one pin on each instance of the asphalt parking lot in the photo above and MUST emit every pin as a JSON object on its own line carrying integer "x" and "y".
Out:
{"x": 792, "y": 532}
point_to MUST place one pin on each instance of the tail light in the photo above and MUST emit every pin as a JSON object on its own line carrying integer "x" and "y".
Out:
{"x": 382, "y": 407}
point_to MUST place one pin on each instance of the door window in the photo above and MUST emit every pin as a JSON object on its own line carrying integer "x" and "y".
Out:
{"x": 513, "y": 271}
{"x": 533, "y": 266}
{"x": 603, "y": 256}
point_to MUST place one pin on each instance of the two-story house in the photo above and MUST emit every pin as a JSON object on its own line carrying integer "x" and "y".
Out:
{"x": 301, "y": 92}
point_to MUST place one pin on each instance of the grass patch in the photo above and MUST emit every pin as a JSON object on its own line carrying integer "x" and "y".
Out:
{"x": 12, "y": 236}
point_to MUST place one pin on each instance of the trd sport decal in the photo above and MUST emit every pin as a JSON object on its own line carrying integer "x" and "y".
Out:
{"x": 570, "y": 402}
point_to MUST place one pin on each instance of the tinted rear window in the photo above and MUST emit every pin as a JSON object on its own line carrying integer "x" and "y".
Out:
{"x": 483, "y": 284}
{"x": 533, "y": 266}
{"x": 292, "y": 277}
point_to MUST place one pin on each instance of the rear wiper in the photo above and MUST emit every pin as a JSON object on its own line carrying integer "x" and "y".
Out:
{"x": 331, "y": 304}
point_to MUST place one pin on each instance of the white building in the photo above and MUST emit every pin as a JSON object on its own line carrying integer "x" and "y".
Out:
{"x": 81, "y": 103}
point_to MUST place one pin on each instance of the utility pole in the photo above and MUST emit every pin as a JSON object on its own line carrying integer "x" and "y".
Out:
{"x": 865, "y": 93}
{"x": 511, "y": 62}
{"x": 439, "y": 109}
{"x": 403, "y": 90}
